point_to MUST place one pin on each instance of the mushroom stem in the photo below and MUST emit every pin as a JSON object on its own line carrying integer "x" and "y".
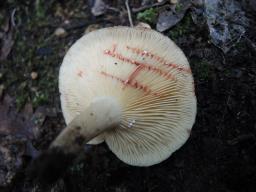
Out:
{"x": 103, "y": 114}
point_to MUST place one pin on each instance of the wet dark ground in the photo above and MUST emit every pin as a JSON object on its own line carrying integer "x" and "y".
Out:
{"x": 219, "y": 155}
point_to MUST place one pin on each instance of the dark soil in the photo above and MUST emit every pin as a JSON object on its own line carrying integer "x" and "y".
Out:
{"x": 220, "y": 154}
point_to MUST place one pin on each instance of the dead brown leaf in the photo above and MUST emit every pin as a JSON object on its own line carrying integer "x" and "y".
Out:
{"x": 17, "y": 130}
{"x": 12, "y": 123}
{"x": 6, "y": 40}
{"x": 173, "y": 15}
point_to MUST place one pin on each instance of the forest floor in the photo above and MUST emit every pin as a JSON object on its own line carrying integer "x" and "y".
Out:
{"x": 220, "y": 153}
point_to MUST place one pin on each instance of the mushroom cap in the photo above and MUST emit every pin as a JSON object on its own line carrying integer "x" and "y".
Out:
{"x": 150, "y": 78}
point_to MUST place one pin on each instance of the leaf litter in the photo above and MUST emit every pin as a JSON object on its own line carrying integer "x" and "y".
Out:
{"x": 6, "y": 39}
{"x": 226, "y": 21}
{"x": 17, "y": 132}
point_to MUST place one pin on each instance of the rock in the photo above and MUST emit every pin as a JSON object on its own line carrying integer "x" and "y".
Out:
{"x": 60, "y": 32}
{"x": 34, "y": 75}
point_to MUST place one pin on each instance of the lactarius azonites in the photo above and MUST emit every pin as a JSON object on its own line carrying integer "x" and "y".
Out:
{"x": 129, "y": 87}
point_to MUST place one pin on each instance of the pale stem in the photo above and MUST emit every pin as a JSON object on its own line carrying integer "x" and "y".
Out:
{"x": 103, "y": 114}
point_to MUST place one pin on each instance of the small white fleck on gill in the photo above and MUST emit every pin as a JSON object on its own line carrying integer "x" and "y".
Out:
{"x": 130, "y": 125}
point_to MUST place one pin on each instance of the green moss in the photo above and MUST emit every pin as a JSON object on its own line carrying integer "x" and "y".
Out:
{"x": 40, "y": 97}
{"x": 148, "y": 16}
{"x": 183, "y": 28}
{"x": 178, "y": 7}
{"x": 39, "y": 8}
{"x": 25, "y": 58}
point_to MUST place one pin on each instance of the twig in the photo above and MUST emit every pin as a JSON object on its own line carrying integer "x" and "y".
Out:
{"x": 113, "y": 9}
{"x": 129, "y": 12}
{"x": 136, "y": 10}
{"x": 13, "y": 17}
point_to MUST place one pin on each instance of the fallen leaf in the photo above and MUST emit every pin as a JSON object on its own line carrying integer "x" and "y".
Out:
{"x": 12, "y": 123}
{"x": 225, "y": 20}
{"x": 6, "y": 41}
{"x": 174, "y": 15}
{"x": 15, "y": 140}
{"x": 99, "y": 8}
{"x": 225, "y": 31}
{"x": 17, "y": 130}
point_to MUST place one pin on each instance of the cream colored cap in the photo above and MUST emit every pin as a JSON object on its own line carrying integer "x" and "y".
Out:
{"x": 148, "y": 75}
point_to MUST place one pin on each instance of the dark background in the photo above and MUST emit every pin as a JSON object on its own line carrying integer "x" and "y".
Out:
{"x": 219, "y": 156}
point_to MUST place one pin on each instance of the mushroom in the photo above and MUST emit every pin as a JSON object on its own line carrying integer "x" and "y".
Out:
{"x": 130, "y": 87}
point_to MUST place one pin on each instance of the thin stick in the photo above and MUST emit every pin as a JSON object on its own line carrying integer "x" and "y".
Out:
{"x": 129, "y": 12}
{"x": 13, "y": 17}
